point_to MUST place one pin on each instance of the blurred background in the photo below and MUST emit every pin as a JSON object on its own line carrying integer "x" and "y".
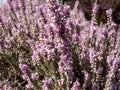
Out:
{"x": 87, "y": 5}
{"x": 2, "y": 2}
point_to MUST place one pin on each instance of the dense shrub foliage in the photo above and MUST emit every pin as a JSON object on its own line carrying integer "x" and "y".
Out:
{"x": 47, "y": 46}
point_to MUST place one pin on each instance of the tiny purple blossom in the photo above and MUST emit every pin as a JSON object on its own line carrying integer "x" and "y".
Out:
{"x": 34, "y": 76}
{"x": 76, "y": 86}
{"x": 24, "y": 68}
{"x": 47, "y": 84}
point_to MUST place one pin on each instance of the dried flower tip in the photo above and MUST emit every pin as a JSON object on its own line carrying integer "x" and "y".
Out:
{"x": 95, "y": 8}
{"x": 109, "y": 12}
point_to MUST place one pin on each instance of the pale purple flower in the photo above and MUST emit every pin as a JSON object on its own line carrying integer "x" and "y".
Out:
{"x": 35, "y": 58}
{"x": 65, "y": 67}
{"x": 47, "y": 84}
{"x": 113, "y": 87}
{"x": 87, "y": 77}
{"x": 25, "y": 77}
{"x": 95, "y": 87}
{"x": 61, "y": 82}
{"x": 34, "y": 76}
{"x": 6, "y": 87}
{"x": 95, "y": 8}
{"x": 75, "y": 38}
{"x": 109, "y": 12}
{"x": 29, "y": 85}
{"x": 25, "y": 69}
{"x": 76, "y": 86}
{"x": 116, "y": 63}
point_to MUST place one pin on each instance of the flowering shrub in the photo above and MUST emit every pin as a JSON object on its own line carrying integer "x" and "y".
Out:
{"x": 87, "y": 5}
{"x": 48, "y": 46}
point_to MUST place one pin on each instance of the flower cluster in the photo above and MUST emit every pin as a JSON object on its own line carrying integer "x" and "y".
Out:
{"x": 49, "y": 46}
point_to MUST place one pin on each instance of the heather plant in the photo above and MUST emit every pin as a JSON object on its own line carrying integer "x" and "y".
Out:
{"x": 104, "y": 5}
{"x": 45, "y": 45}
